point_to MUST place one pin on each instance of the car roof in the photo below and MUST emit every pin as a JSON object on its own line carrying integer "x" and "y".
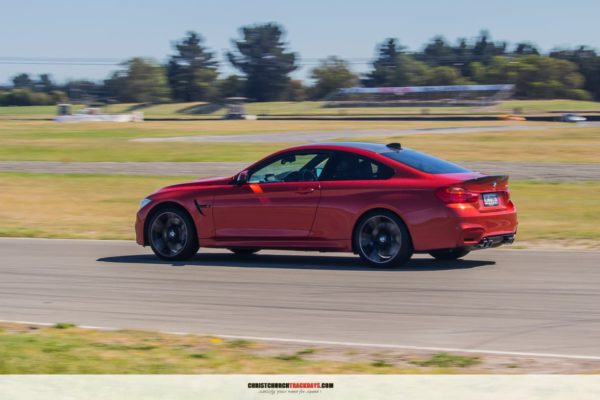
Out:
{"x": 373, "y": 147}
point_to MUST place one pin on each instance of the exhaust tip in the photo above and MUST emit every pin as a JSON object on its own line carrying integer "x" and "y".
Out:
{"x": 494, "y": 241}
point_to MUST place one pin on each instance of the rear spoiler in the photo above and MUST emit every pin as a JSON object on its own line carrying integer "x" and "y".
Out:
{"x": 486, "y": 183}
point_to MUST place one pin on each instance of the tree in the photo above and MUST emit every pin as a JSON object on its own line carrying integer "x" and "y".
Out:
{"x": 261, "y": 55}
{"x": 192, "y": 71}
{"x": 389, "y": 52}
{"x": 588, "y": 64}
{"x": 45, "y": 84}
{"x": 296, "y": 91}
{"x": 463, "y": 55}
{"x": 485, "y": 50}
{"x": 438, "y": 52}
{"x": 445, "y": 76}
{"x": 534, "y": 76}
{"x": 331, "y": 74}
{"x": 393, "y": 67}
{"x": 22, "y": 81}
{"x": 142, "y": 81}
{"x": 525, "y": 48}
{"x": 82, "y": 91}
{"x": 232, "y": 86}
{"x": 25, "y": 97}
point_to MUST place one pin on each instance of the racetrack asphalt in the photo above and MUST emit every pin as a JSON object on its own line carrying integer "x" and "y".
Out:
{"x": 494, "y": 300}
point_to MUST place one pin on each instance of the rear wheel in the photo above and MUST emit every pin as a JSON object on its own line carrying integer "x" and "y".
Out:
{"x": 382, "y": 240}
{"x": 244, "y": 252}
{"x": 172, "y": 235}
{"x": 451, "y": 254}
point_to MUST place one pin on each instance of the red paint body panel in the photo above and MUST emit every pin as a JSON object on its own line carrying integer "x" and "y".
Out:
{"x": 275, "y": 211}
{"x": 321, "y": 215}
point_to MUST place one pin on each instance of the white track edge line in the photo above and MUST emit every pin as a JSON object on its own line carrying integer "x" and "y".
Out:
{"x": 338, "y": 343}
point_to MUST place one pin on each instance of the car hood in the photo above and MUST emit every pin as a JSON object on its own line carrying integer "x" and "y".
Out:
{"x": 199, "y": 183}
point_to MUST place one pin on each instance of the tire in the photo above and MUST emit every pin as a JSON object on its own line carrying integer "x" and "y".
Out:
{"x": 382, "y": 240}
{"x": 172, "y": 234}
{"x": 244, "y": 252}
{"x": 451, "y": 254}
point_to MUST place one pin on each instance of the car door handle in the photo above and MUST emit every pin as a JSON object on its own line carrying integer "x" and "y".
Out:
{"x": 305, "y": 191}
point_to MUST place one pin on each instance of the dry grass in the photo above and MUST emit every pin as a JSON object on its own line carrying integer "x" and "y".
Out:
{"x": 104, "y": 206}
{"x": 72, "y": 206}
{"x": 558, "y": 212}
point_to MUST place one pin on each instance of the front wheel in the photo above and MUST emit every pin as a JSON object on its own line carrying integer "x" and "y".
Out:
{"x": 172, "y": 235}
{"x": 382, "y": 240}
{"x": 451, "y": 254}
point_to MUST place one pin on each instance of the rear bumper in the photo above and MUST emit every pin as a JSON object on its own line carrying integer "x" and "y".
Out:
{"x": 494, "y": 241}
{"x": 483, "y": 231}
{"x": 465, "y": 226}
{"x": 480, "y": 228}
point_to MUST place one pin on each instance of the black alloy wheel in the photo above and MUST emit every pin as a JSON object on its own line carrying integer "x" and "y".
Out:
{"x": 382, "y": 240}
{"x": 172, "y": 235}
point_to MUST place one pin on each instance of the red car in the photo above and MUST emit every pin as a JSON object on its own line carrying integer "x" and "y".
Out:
{"x": 384, "y": 202}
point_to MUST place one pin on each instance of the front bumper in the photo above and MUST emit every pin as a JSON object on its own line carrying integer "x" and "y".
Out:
{"x": 139, "y": 231}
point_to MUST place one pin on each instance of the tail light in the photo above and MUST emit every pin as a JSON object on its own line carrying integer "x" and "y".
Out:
{"x": 456, "y": 194}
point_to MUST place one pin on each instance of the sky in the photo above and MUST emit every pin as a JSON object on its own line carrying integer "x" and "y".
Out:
{"x": 351, "y": 29}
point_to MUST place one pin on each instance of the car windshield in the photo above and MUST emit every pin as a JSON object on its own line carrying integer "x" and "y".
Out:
{"x": 424, "y": 162}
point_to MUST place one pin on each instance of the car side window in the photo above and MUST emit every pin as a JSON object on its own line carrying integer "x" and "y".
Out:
{"x": 291, "y": 168}
{"x": 348, "y": 166}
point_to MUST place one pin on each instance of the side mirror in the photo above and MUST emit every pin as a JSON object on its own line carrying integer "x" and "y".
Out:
{"x": 241, "y": 178}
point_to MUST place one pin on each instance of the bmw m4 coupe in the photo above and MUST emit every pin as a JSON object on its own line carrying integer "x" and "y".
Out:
{"x": 382, "y": 202}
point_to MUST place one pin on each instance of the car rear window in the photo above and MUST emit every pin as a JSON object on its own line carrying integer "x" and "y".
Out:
{"x": 424, "y": 162}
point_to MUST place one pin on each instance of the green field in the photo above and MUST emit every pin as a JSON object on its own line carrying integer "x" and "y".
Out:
{"x": 48, "y": 141}
{"x": 527, "y": 106}
{"x": 31, "y": 111}
{"x": 180, "y": 110}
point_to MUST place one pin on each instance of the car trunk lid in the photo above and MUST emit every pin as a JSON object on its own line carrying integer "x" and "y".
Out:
{"x": 485, "y": 192}
{"x": 492, "y": 190}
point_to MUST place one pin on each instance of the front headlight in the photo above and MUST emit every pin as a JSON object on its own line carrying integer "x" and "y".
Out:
{"x": 144, "y": 202}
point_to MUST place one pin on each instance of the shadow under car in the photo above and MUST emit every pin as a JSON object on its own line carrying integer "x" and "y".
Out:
{"x": 338, "y": 263}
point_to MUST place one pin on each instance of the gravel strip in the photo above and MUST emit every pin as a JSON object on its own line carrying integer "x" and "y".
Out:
{"x": 323, "y": 136}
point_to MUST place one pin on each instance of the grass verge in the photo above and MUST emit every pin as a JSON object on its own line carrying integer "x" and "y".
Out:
{"x": 70, "y": 350}
{"x": 445, "y": 360}
{"x": 67, "y": 349}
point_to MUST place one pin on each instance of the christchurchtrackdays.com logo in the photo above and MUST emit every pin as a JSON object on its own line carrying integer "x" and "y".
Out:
{"x": 290, "y": 387}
